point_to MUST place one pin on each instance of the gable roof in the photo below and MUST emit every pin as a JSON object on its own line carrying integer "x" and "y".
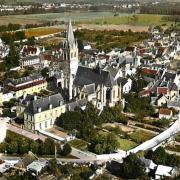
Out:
{"x": 165, "y": 111}
{"x": 112, "y": 70}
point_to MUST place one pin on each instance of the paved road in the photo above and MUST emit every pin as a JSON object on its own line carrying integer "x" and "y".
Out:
{"x": 25, "y": 133}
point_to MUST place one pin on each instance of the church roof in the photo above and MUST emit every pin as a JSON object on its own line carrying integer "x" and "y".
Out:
{"x": 70, "y": 34}
{"x": 87, "y": 76}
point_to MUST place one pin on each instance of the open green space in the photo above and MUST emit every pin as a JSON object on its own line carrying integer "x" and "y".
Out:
{"x": 126, "y": 144}
{"x": 79, "y": 144}
{"x": 91, "y": 18}
{"x": 141, "y": 136}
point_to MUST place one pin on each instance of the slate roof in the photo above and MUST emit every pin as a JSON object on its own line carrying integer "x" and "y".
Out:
{"x": 173, "y": 103}
{"x": 24, "y": 79}
{"x": 80, "y": 103}
{"x": 169, "y": 76}
{"x": 122, "y": 81}
{"x": 44, "y": 103}
{"x": 26, "y": 99}
{"x": 172, "y": 86}
{"x": 28, "y": 58}
{"x": 87, "y": 76}
{"x": 89, "y": 89}
{"x": 112, "y": 70}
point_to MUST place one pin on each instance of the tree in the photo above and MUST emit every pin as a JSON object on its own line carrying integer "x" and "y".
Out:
{"x": 66, "y": 150}
{"x": 159, "y": 156}
{"x": 40, "y": 147}
{"x": 6, "y": 112}
{"x": 104, "y": 143}
{"x": 49, "y": 146}
{"x": 31, "y": 41}
{"x": 132, "y": 168}
{"x": 53, "y": 167}
{"x": 44, "y": 72}
{"x": 20, "y": 35}
{"x": 12, "y": 60}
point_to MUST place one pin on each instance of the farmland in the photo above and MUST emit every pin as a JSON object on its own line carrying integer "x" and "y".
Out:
{"x": 87, "y": 18}
{"x": 41, "y": 31}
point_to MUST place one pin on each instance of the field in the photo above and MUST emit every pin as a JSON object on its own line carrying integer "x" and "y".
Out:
{"x": 41, "y": 31}
{"x": 97, "y": 18}
{"x": 139, "y": 19}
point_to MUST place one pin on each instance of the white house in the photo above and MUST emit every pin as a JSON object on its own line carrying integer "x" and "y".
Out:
{"x": 29, "y": 61}
{"x": 37, "y": 166}
{"x": 165, "y": 171}
{"x": 165, "y": 113}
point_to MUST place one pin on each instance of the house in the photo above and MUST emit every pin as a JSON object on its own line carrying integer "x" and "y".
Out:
{"x": 40, "y": 114}
{"x": 165, "y": 172}
{"x": 37, "y": 166}
{"x": 30, "y": 51}
{"x": 22, "y": 103}
{"x": 161, "y": 100}
{"x": 4, "y": 49}
{"x": 165, "y": 113}
{"x": 29, "y": 85}
{"x": 174, "y": 104}
{"x": 149, "y": 164}
{"x": 29, "y": 61}
{"x": 126, "y": 84}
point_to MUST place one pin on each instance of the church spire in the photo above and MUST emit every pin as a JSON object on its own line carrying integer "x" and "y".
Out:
{"x": 70, "y": 35}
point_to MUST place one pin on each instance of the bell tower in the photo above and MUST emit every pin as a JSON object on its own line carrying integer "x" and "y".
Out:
{"x": 71, "y": 58}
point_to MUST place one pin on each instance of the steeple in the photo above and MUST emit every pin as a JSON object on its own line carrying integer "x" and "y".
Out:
{"x": 70, "y": 35}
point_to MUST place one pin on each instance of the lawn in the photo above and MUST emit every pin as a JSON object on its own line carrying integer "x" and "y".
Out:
{"x": 140, "y": 136}
{"x": 41, "y": 31}
{"x": 126, "y": 144}
{"x": 79, "y": 144}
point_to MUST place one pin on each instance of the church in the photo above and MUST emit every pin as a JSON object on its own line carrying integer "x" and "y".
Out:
{"x": 96, "y": 85}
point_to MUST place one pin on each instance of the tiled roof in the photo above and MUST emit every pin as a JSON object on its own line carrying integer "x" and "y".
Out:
{"x": 149, "y": 71}
{"x": 165, "y": 111}
{"x": 162, "y": 90}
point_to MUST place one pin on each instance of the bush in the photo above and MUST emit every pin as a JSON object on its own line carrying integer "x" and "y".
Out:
{"x": 66, "y": 150}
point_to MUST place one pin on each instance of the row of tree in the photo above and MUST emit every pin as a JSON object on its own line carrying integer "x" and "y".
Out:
{"x": 9, "y": 38}
{"x": 17, "y": 144}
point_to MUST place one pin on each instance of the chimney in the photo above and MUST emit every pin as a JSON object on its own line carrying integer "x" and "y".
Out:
{"x": 35, "y": 98}
{"x": 50, "y": 106}
{"x": 39, "y": 109}
{"x": 24, "y": 95}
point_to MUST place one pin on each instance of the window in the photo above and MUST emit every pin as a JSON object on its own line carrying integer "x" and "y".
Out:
{"x": 46, "y": 124}
{"x": 40, "y": 126}
{"x": 71, "y": 55}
